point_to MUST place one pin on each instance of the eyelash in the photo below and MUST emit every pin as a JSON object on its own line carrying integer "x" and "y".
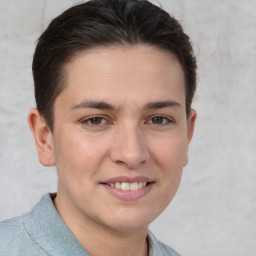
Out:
{"x": 165, "y": 120}
{"x": 89, "y": 120}
{"x": 104, "y": 121}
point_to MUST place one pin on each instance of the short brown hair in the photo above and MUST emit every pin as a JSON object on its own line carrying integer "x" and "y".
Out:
{"x": 104, "y": 23}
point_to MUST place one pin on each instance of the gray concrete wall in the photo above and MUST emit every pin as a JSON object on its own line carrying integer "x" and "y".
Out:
{"x": 214, "y": 212}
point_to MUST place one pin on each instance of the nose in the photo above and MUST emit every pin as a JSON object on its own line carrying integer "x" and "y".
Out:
{"x": 129, "y": 147}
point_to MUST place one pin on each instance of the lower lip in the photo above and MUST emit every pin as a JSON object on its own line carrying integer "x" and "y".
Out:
{"x": 129, "y": 195}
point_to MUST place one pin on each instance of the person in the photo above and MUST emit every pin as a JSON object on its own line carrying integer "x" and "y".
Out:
{"x": 114, "y": 81}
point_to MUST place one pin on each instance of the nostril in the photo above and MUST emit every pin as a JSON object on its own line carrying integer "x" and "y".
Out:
{"x": 119, "y": 162}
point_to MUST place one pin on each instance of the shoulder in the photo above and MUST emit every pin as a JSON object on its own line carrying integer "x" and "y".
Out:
{"x": 15, "y": 240}
{"x": 167, "y": 250}
{"x": 10, "y": 230}
{"x": 158, "y": 248}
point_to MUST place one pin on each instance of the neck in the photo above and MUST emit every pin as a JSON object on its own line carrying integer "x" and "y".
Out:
{"x": 109, "y": 243}
{"x": 100, "y": 240}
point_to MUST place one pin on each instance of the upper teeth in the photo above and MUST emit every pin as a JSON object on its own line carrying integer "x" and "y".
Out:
{"x": 128, "y": 186}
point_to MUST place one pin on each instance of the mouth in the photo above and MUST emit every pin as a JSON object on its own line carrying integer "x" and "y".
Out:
{"x": 128, "y": 186}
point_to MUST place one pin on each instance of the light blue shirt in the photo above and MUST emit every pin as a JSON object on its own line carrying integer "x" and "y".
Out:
{"x": 42, "y": 232}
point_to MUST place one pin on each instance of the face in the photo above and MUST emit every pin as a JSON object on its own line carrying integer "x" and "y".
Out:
{"x": 120, "y": 136}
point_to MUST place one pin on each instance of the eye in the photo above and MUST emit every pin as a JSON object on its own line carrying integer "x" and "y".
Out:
{"x": 159, "y": 120}
{"x": 95, "y": 121}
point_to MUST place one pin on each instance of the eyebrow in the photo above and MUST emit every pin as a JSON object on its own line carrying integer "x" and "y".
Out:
{"x": 106, "y": 106}
{"x": 93, "y": 104}
{"x": 161, "y": 104}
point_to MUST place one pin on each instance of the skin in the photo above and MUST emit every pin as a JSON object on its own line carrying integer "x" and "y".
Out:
{"x": 130, "y": 137}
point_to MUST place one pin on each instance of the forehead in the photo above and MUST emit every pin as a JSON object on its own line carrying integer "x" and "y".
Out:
{"x": 118, "y": 72}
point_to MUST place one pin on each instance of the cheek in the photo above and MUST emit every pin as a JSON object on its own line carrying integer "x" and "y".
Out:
{"x": 78, "y": 156}
{"x": 172, "y": 152}
{"x": 170, "y": 157}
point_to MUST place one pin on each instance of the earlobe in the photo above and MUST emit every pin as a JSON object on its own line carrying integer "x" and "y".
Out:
{"x": 42, "y": 137}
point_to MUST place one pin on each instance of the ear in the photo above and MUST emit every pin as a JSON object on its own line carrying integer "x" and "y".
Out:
{"x": 190, "y": 130}
{"x": 42, "y": 136}
{"x": 191, "y": 124}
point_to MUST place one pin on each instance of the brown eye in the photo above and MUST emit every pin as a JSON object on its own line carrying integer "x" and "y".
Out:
{"x": 95, "y": 120}
{"x": 157, "y": 120}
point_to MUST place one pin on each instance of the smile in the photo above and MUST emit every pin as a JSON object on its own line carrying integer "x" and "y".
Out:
{"x": 133, "y": 186}
{"x": 128, "y": 188}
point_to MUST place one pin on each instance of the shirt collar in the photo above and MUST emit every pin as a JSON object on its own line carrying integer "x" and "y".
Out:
{"x": 47, "y": 229}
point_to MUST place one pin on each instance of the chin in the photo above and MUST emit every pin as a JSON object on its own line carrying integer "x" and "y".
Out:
{"x": 129, "y": 226}
{"x": 131, "y": 220}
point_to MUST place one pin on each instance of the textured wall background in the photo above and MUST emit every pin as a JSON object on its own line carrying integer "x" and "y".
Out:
{"x": 214, "y": 212}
